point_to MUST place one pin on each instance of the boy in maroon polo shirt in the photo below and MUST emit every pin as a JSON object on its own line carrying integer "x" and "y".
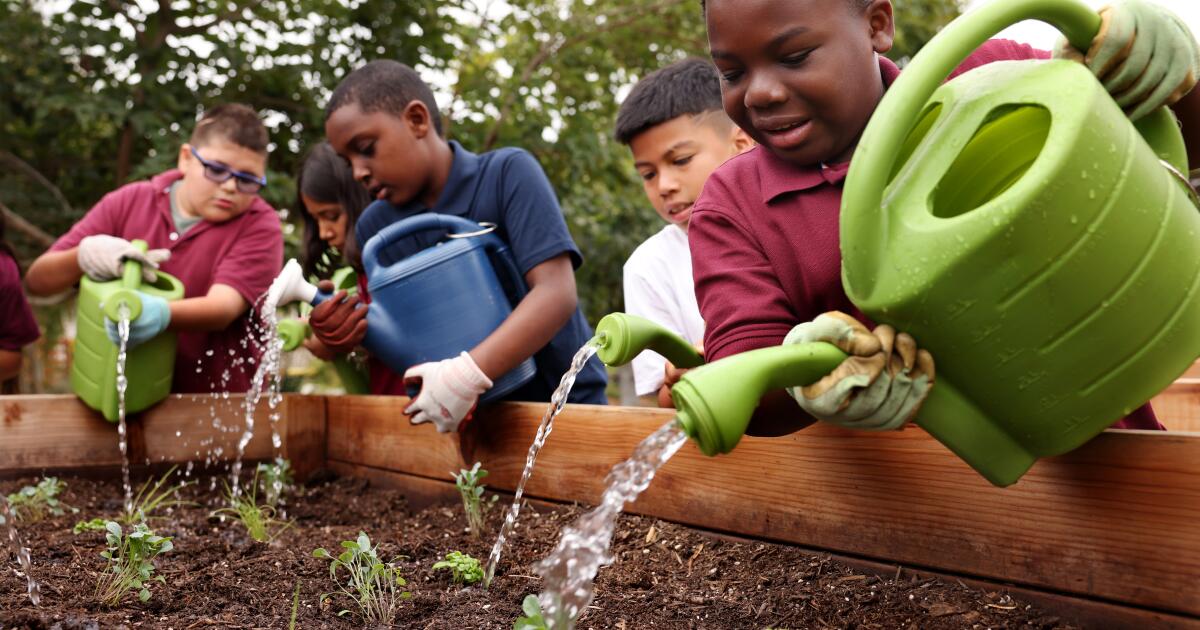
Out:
{"x": 207, "y": 226}
{"x": 803, "y": 77}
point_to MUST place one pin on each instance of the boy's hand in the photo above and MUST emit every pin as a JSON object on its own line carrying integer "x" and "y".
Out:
{"x": 156, "y": 315}
{"x": 319, "y": 350}
{"x": 880, "y": 386}
{"x": 338, "y": 322}
{"x": 100, "y": 257}
{"x": 1145, "y": 56}
{"x": 671, "y": 375}
{"x": 449, "y": 390}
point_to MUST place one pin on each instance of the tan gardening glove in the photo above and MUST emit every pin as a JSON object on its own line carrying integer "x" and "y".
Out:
{"x": 101, "y": 257}
{"x": 1145, "y": 56}
{"x": 880, "y": 386}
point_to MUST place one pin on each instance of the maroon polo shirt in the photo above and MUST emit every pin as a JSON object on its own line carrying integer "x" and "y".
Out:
{"x": 18, "y": 328}
{"x": 764, "y": 237}
{"x": 245, "y": 253}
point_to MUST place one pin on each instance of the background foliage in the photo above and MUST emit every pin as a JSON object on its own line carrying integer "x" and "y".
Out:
{"x": 99, "y": 92}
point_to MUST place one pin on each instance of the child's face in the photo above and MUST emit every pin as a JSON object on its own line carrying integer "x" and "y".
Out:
{"x": 331, "y": 220}
{"x": 800, "y": 76}
{"x": 385, "y": 151}
{"x": 199, "y": 196}
{"x": 676, "y": 157}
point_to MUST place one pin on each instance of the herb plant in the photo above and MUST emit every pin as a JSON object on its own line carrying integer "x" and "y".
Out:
{"x": 274, "y": 480}
{"x": 34, "y": 503}
{"x": 130, "y": 562}
{"x": 463, "y": 568}
{"x": 467, "y": 482}
{"x": 259, "y": 520}
{"x": 533, "y": 619}
{"x": 373, "y": 584}
{"x": 150, "y": 499}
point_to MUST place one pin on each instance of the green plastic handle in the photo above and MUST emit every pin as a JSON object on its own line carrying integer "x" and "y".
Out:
{"x": 127, "y": 296}
{"x": 904, "y": 101}
{"x": 293, "y": 332}
{"x": 715, "y": 401}
{"x": 623, "y": 336}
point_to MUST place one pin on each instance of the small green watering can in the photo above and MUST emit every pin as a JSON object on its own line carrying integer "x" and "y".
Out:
{"x": 148, "y": 367}
{"x": 1044, "y": 249}
{"x": 293, "y": 332}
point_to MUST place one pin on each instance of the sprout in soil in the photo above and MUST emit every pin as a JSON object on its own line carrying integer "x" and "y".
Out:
{"x": 463, "y": 568}
{"x": 34, "y": 503}
{"x": 154, "y": 496}
{"x": 274, "y": 480}
{"x": 130, "y": 562}
{"x": 533, "y": 619}
{"x": 371, "y": 583}
{"x": 259, "y": 520}
{"x": 471, "y": 490}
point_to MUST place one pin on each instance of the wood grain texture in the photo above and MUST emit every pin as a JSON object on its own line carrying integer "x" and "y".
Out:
{"x": 1178, "y": 408}
{"x": 1114, "y": 520}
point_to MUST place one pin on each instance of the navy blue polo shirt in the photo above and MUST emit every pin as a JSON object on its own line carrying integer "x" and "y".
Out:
{"x": 506, "y": 187}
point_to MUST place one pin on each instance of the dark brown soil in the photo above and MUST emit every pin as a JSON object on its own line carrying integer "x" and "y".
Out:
{"x": 665, "y": 575}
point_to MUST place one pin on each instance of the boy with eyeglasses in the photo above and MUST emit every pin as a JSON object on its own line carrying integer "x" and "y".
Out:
{"x": 207, "y": 226}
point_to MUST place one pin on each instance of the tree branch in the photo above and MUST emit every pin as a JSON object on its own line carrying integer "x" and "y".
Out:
{"x": 18, "y": 223}
{"x": 32, "y": 173}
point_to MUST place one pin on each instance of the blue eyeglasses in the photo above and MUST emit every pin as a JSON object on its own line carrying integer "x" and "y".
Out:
{"x": 219, "y": 173}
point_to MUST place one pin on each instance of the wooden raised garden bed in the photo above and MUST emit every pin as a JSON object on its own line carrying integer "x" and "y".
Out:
{"x": 1107, "y": 536}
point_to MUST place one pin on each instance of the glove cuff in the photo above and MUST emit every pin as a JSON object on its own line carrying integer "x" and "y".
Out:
{"x": 467, "y": 373}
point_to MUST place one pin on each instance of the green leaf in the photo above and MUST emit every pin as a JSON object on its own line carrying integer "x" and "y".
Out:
{"x": 320, "y": 552}
{"x": 531, "y": 606}
{"x": 144, "y": 594}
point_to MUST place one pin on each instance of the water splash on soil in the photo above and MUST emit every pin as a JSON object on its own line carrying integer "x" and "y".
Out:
{"x": 570, "y": 570}
{"x": 557, "y": 400}
{"x": 21, "y": 552}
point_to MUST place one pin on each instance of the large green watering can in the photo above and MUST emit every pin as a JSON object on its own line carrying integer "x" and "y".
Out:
{"x": 148, "y": 367}
{"x": 293, "y": 332}
{"x": 1044, "y": 249}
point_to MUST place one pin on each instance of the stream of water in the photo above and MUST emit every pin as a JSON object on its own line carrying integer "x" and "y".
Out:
{"x": 557, "y": 400}
{"x": 21, "y": 552}
{"x": 570, "y": 570}
{"x": 122, "y": 385}
{"x": 268, "y": 373}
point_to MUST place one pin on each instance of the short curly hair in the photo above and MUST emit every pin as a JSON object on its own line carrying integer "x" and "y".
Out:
{"x": 384, "y": 85}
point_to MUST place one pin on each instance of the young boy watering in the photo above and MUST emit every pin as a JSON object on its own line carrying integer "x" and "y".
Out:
{"x": 673, "y": 123}
{"x": 206, "y": 225}
{"x": 802, "y": 77}
{"x": 383, "y": 119}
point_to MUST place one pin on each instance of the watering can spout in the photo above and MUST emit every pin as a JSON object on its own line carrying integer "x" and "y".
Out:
{"x": 290, "y": 286}
{"x": 621, "y": 337}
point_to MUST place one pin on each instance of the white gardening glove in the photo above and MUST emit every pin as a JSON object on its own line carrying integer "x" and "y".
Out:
{"x": 449, "y": 390}
{"x": 101, "y": 256}
{"x": 880, "y": 386}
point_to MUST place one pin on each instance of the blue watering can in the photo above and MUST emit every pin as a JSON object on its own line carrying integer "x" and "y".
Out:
{"x": 436, "y": 303}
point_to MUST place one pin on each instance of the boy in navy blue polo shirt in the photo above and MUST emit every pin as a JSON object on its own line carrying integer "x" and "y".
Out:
{"x": 383, "y": 119}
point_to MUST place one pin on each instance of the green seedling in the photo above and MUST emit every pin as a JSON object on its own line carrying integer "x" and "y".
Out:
{"x": 154, "y": 496}
{"x": 467, "y": 482}
{"x": 259, "y": 520}
{"x": 533, "y": 619}
{"x": 94, "y": 525}
{"x": 130, "y": 562}
{"x": 373, "y": 584}
{"x": 34, "y": 503}
{"x": 295, "y": 606}
{"x": 463, "y": 568}
{"x": 274, "y": 480}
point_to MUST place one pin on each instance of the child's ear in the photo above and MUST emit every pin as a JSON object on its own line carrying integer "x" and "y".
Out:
{"x": 882, "y": 23}
{"x": 416, "y": 117}
{"x": 185, "y": 156}
{"x": 740, "y": 140}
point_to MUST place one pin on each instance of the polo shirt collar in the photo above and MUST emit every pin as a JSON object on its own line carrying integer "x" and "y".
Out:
{"x": 780, "y": 177}
{"x": 457, "y": 193}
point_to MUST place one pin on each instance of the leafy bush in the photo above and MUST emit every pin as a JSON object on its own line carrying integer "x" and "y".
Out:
{"x": 467, "y": 482}
{"x": 373, "y": 584}
{"x": 130, "y": 562}
{"x": 533, "y": 619}
{"x": 464, "y": 569}
{"x": 34, "y": 503}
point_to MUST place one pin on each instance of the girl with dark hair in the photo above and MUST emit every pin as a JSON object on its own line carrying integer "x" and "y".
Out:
{"x": 17, "y": 326}
{"x": 330, "y": 202}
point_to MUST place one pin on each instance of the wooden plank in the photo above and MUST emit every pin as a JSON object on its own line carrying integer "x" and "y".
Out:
{"x": 304, "y": 434}
{"x": 1178, "y": 407}
{"x": 1114, "y": 520}
{"x": 45, "y": 433}
{"x": 374, "y": 428}
{"x": 419, "y": 491}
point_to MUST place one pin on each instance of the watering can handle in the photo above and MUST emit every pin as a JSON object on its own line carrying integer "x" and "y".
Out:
{"x": 424, "y": 222}
{"x": 131, "y": 281}
{"x": 500, "y": 253}
{"x": 904, "y": 101}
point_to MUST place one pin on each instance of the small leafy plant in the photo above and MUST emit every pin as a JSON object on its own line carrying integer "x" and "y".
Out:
{"x": 153, "y": 497}
{"x": 274, "y": 480}
{"x": 130, "y": 562}
{"x": 373, "y": 584}
{"x": 259, "y": 520}
{"x": 467, "y": 482}
{"x": 34, "y": 503}
{"x": 464, "y": 569}
{"x": 533, "y": 619}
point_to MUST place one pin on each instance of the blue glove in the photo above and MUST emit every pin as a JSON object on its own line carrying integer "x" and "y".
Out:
{"x": 156, "y": 314}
